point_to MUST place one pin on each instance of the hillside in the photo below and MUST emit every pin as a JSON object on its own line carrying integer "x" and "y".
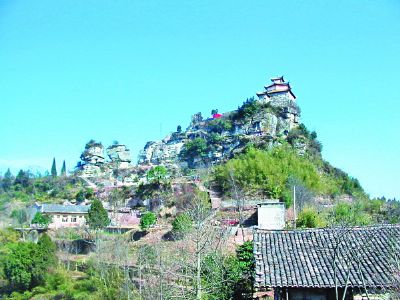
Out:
{"x": 180, "y": 223}
{"x": 262, "y": 149}
{"x": 259, "y": 151}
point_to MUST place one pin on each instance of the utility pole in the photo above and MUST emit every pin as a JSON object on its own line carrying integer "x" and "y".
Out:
{"x": 294, "y": 205}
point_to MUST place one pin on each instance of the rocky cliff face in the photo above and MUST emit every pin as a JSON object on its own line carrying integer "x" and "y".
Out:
{"x": 94, "y": 164}
{"x": 262, "y": 121}
{"x": 92, "y": 159}
{"x": 120, "y": 155}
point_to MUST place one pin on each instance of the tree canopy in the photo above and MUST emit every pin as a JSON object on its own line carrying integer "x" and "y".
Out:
{"x": 97, "y": 217}
{"x": 54, "y": 168}
{"x": 157, "y": 174}
{"x": 41, "y": 219}
{"x": 148, "y": 219}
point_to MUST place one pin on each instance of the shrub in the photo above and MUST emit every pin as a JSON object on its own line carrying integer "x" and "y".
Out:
{"x": 80, "y": 196}
{"x": 182, "y": 224}
{"x": 41, "y": 220}
{"x": 248, "y": 109}
{"x": 19, "y": 215}
{"x": 194, "y": 148}
{"x": 8, "y": 235}
{"x": 215, "y": 138}
{"x": 350, "y": 214}
{"x": 309, "y": 218}
{"x": 220, "y": 125}
{"x": 93, "y": 143}
{"x": 157, "y": 174}
{"x": 147, "y": 220}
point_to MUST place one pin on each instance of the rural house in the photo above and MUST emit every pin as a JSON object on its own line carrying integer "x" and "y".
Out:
{"x": 62, "y": 215}
{"x": 317, "y": 264}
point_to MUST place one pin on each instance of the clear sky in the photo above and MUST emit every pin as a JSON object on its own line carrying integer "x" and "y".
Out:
{"x": 133, "y": 70}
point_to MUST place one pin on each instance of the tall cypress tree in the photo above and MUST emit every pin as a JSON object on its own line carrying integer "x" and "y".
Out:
{"x": 54, "y": 168}
{"x": 63, "y": 169}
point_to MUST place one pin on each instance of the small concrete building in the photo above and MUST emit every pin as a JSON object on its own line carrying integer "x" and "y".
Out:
{"x": 62, "y": 215}
{"x": 271, "y": 215}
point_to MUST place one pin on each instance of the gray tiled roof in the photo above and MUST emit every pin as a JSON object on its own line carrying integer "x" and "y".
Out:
{"x": 59, "y": 208}
{"x": 306, "y": 258}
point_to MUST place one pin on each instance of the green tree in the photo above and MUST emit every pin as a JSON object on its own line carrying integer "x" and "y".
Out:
{"x": 41, "y": 220}
{"x": 248, "y": 109}
{"x": 157, "y": 175}
{"x": 8, "y": 235}
{"x": 53, "y": 168}
{"x": 245, "y": 256}
{"x": 195, "y": 147}
{"x": 19, "y": 215}
{"x": 23, "y": 178}
{"x": 148, "y": 219}
{"x": 214, "y": 111}
{"x": 80, "y": 196}
{"x": 7, "y": 180}
{"x": 182, "y": 224}
{"x": 179, "y": 129}
{"x": 220, "y": 275}
{"x": 47, "y": 249}
{"x": 309, "y": 218}
{"x": 350, "y": 214}
{"x": 97, "y": 217}
{"x": 63, "y": 169}
{"x": 18, "y": 265}
{"x": 26, "y": 264}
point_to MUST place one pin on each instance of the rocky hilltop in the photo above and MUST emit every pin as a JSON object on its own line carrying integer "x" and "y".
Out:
{"x": 265, "y": 121}
{"x": 94, "y": 163}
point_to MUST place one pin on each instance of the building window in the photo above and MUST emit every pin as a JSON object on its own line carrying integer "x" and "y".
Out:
{"x": 64, "y": 219}
{"x": 80, "y": 217}
{"x": 58, "y": 216}
{"x": 73, "y": 219}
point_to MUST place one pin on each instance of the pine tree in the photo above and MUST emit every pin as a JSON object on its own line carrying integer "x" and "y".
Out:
{"x": 23, "y": 178}
{"x": 54, "y": 168}
{"x": 7, "y": 180}
{"x": 63, "y": 169}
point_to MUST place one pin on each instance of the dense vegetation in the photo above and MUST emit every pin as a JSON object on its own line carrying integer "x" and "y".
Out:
{"x": 274, "y": 173}
{"x": 30, "y": 271}
{"x": 268, "y": 173}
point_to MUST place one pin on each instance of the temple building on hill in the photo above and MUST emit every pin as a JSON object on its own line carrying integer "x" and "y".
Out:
{"x": 278, "y": 88}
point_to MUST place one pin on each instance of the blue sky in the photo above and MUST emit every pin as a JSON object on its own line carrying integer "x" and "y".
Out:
{"x": 133, "y": 70}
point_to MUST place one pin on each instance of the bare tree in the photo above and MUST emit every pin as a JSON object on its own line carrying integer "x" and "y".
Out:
{"x": 347, "y": 251}
{"x": 239, "y": 197}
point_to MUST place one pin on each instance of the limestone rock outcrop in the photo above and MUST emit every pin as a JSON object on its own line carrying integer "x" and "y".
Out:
{"x": 92, "y": 159}
{"x": 93, "y": 154}
{"x": 269, "y": 118}
{"x": 95, "y": 165}
{"x": 120, "y": 155}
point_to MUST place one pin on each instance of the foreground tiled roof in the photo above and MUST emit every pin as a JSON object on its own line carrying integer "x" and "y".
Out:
{"x": 306, "y": 258}
{"x": 60, "y": 208}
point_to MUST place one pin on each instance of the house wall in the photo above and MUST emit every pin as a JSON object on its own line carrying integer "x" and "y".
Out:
{"x": 282, "y": 88}
{"x": 62, "y": 220}
{"x": 271, "y": 216}
{"x": 311, "y": 294}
